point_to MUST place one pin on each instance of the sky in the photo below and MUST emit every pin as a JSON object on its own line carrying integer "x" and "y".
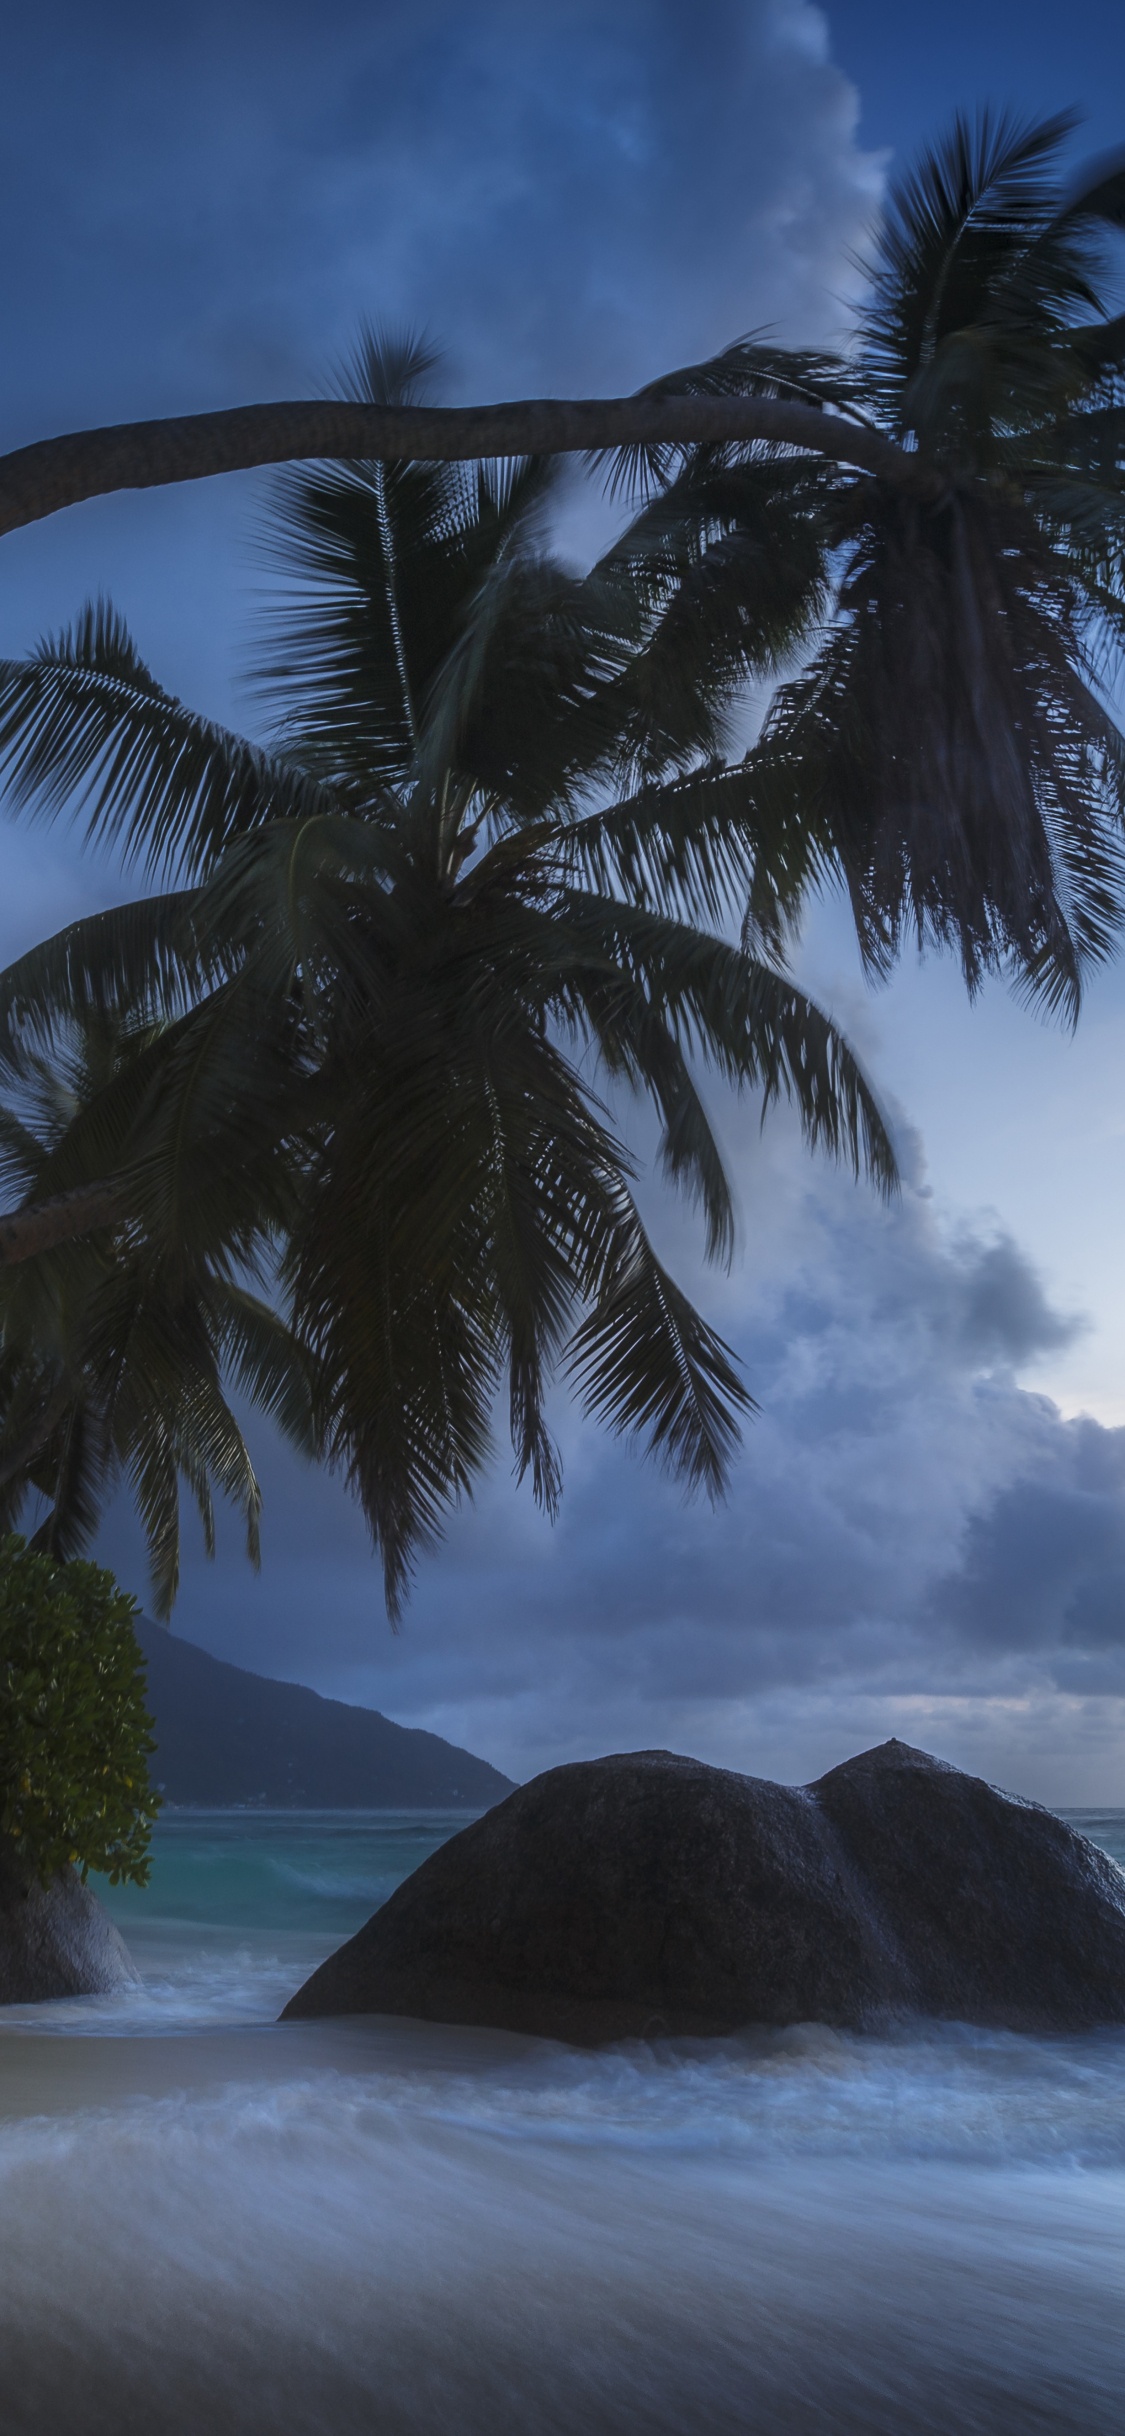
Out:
{"x": 926, "y": 1530}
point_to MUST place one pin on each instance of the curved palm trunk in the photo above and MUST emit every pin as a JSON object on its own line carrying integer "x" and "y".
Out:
{"x": 63, "y": 1219}
{"x": 53, "y": 474}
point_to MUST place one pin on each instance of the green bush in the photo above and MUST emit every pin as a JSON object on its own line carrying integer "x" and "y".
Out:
{"x": 74, "y": 1732}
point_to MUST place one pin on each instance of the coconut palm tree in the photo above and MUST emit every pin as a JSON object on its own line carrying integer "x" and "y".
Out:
{"x": 995, "y": 775}
{"x": 112, "y": 1359}
{"x": 948, "y": 750}
{"x": 469, "y": 886}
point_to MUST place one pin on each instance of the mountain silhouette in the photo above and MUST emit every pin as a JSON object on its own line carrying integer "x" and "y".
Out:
{"x": 226, "y": 1738}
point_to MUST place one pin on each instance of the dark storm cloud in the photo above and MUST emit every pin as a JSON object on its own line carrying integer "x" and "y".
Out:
{"x": 201, "y": 206}
{"x": 1043, "y": 1567}
{"x": 1005, "y": 1313}
{"x": 579, "y": 191}
{"x": 906, "y": 1525}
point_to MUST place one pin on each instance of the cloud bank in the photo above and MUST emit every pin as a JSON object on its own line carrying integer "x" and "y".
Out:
{"x": 912, "y": 1543}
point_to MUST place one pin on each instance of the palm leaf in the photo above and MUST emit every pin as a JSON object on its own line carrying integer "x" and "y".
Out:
{"x": 646, "y": 1363}
{"x": 84, "y": 723}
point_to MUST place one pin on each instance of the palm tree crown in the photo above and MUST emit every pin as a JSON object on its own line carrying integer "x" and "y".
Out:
{"x": 947, "y": 750}
{"x": 478, "y": 866}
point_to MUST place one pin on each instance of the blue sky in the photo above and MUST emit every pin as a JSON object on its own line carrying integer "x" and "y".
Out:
{"x": 912, "y": 66}
{"x": 927, "y": 1530}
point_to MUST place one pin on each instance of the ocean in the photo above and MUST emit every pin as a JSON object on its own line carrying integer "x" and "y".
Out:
{"x": 211, "y": 2225}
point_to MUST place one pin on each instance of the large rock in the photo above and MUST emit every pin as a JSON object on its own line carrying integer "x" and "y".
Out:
{"x": 56, "y": 1940}
{"x": 649, "y": 1893}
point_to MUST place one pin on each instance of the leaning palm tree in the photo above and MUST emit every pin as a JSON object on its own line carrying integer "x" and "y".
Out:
{"x": 947, "y": 752}
{"x": 468, "y": 887}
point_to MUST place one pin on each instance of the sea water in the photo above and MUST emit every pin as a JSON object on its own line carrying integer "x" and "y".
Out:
{"x": 211, "y": 2225}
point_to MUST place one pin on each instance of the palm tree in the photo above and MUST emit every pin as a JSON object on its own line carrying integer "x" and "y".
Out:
{"x": 947, "y": 751}
{"x": 472, "y": 872}
{"x": 113, "y": 1358}
{"x": 950, "y": 738}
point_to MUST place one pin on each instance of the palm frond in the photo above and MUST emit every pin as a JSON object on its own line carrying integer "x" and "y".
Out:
{"x": 962, "y": 773}
{"x": 646, "y": 1363}
{"x": 83, "y": 723}
{"x": 270, "y": 1364}
{"x": 138, "y": 962}
{"x": 753, "y": 366}
{"x": 745, "y": 1018}
{"x": 953, "y": 230}
{"x": 730, "y": 564}
{"x": 382, "y": 561}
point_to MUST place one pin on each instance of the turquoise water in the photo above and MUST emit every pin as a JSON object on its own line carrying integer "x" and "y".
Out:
{"x": 359, "y": 2228}
{"x": 239, "y": 1908}
{"x": 320, "y": 1872}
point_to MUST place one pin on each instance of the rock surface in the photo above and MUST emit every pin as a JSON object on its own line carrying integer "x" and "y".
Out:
{"x": 56, "y": 1940}
{"x": 649, "y": 1893}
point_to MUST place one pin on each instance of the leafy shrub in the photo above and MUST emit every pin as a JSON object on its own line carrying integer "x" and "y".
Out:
{"x": 74, "y": 1732}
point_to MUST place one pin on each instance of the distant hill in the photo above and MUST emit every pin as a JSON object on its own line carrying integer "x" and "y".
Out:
{"x": 226, "y": 1737}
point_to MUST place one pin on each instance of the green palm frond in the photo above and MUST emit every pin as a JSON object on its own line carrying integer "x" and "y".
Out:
{"x": 956, "y": 234}
{"x": 269, "y": 1363}
{"x": 754, "y": 366}
{"x": 136, "y": 963}
{"x": 383, "y": 562}
{"x": 966, "y": 780}
{"x": 729, "y": 561}
{"x": 697, "y": 845}
{"x": 411, "y": 1371}
{"x": 752, "y": 1023}
{"x": 646, "y": 1363}
{"x": 74, "y": 1474}
{"x": 84, "y": 723}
